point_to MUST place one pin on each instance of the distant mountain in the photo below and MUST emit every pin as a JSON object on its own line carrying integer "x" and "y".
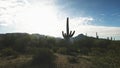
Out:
{"x": 38, "y": 36}
{"x": 80, "y": 37}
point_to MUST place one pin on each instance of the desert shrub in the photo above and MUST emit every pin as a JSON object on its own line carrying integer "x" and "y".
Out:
{"x": 43, "y": 56}
{"x": 73, "y": 59}
{"x": 62, "y": 50}
{"x": 8, "y": 52}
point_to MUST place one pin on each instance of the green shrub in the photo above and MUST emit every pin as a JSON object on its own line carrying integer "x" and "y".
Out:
{"x": 73, "y": 59}
{"x": 8, "y": 52}
{"x": 43, "y": 56}
{"x": 62, "y": 50}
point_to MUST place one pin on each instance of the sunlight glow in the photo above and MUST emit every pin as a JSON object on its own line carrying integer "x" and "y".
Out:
{"x": 37, "y": 19}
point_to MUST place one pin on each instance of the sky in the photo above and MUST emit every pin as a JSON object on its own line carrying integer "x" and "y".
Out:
{"x": 48, "y": 17}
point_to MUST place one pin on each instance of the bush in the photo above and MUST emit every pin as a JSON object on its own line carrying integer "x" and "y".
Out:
{"x": 43, "y": 56}
{"x": 62, "y": 50}
{"x": 7, "y": 52}
{"x": 73, "y": 59}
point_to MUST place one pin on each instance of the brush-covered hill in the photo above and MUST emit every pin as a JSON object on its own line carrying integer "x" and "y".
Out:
{"x": 83, "y": 51}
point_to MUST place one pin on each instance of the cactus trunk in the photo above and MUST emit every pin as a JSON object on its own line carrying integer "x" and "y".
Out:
{"x": 67, "y": 27}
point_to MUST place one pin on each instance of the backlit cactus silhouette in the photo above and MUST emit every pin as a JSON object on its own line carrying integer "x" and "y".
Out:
{"x": 68, "y": 34}
{"x": 97, "y": 35}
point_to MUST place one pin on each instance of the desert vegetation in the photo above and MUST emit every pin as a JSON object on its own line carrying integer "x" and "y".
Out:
{"x": 18, "y": 50}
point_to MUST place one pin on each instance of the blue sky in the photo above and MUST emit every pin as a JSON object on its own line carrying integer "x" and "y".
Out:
{"x": 106, "y": 12}
{"x": 48, "y": 17}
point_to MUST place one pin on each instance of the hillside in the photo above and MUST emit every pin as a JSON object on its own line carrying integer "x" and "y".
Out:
{"x": 31, "y": 50}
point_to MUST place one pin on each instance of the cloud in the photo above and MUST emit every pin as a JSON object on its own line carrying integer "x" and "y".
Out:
{"x": 103, "y": 31}
{"x": 8, "y": 9}
{"x": 82, "y": 20}
{"x": 38, "y": 2}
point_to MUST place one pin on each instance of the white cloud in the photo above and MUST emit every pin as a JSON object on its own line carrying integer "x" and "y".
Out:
{"x": 103, "y": 31}
{"x": 41, "y": 2}
{"x": 81, "y": 21}
{"x": 8, "y": 9}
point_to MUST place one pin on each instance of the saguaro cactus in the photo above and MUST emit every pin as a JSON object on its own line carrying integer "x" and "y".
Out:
{"x": 97, "y": 35}
{"x": 68, "y": 34}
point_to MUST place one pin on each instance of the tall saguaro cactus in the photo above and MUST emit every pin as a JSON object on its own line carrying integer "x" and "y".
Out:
{"x": 68, "y": 34}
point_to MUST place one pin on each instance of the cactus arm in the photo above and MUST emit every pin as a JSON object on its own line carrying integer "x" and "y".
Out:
{"x": 73, "y": 33}
{"x": 70, "y": 32}
{"x": 63, "y": 34}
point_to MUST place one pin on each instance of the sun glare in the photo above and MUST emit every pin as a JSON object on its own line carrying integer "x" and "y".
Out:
{"x": 37, "y": 19}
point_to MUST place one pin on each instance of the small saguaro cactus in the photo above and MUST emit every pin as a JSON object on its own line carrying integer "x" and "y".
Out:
{"x": 68, "y": 34}
{"x": 97, "y": 35}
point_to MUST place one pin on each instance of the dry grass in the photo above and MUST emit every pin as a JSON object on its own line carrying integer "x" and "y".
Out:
{"x": 83, "y": 62}
{"x": 61, "y": 61}
{"x": 7, "y": 62}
